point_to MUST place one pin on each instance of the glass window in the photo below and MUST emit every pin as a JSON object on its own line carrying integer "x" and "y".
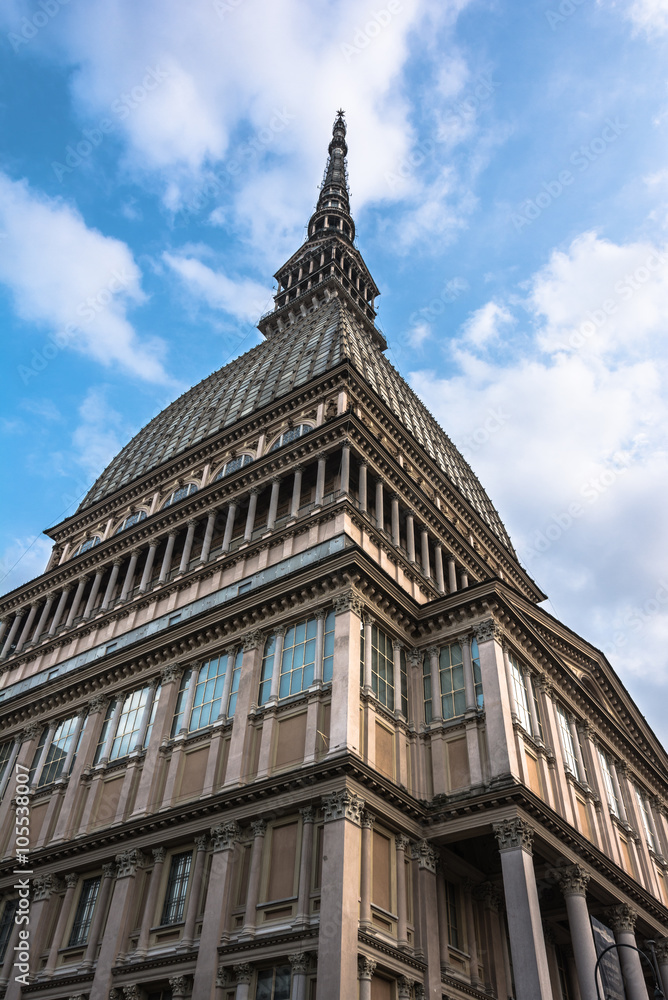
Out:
{"x": 454, "y": 932}
{"x": 520, "y": 691}
{"x": 567, "y": 744}
{"x": 177, "y": 889}
{"x": 7, "y": 925}
{"x": 36, "y": 755}
{"x": 234, "y": 684}
{"x": 240, "y": 462}
{"x": 84, "y": 912}
{"x": 274, "y": 984}
{"x": 290, "y": 435}
{"x": 139, "y": 515}
{"x": 5, "y": 754}
{"x": 328, "y": 648}
{"x": 130, "y": 720}
{"x": 267, "y": 670}
{"x": 90, "y": 543}
{"x": 382, "y": 665}
{"x": 451, "y": 669}
{"x": 180, "y": 494}
{"x": 404, "y": 684}
{"x": 426, "y": 687}
{"x": 477, "y": 676}
{"x": 609, "y": 783}
{"x": 298, "y": 659}
{"x": 58, "y": 750}
{"x": 208, "y": 693}
{"x": 643, "y": 807}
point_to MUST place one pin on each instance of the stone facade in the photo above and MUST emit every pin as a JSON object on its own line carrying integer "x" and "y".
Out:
{"x": 294, "y": 724}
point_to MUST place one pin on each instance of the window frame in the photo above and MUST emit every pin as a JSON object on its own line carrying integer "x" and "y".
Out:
{"x": 83, "y": 914}
{"x": 190, "y": 488}
{"x": 175, "y": 896}
{"x": 445, "y": 669}
{"x": 518, "y": 681}
{"x": 52, "y": 764}
{"x": 643, "y": 806}
{"x": 303, "y": 428}
{"x": 226, "y": 471}
{"x": 123, "y": 526}
{"x": 95, "y": 540}
{"x": 608, "y": 783}
{"x": 566, "y": 737}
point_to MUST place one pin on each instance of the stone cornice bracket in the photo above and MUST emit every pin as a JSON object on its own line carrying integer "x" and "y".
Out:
{"x": 171, "y": 674}
{"x": 623, "y": 918}
{"x": 253, "y": 640}
{"x": 349, "y": 600}
{"x": 44, "y": 885}
{"x": 426, "y": 856}
{"x": 488, "y": 630}
{"x": 225, "y": 836}
{"x": 342, "y": 805}
{"x": 129, "y": 861}
{"x": 573, "y": 880}
{"x": 365, "y": 967}
{"x": 512, "y": 834}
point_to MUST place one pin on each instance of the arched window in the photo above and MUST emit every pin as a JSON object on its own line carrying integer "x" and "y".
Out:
{"x": 292, "y": 434}
{"x": 139, "y": 515}
{"x": 90, "y": 543}
{"x": 180, "y": 494}
{"x": 234, "y": 465}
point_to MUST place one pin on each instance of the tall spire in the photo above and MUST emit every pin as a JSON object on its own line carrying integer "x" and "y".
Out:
{"x": 333, "y": 209}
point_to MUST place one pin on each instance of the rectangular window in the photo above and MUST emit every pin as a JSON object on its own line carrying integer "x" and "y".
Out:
{"x": 274, "y": 984}
{"x": 177, "y": 889}
{"x": 234, "y": 685}
{"x": 328, "y": 648}
{"x": 643, "y": 808}
{"x": 208, "y": 693}
{"x": 130, "y": 720}
{"x": 451, "y": 670}
{"x": 57, "y": 752}
{"x": 477, "y": 675}
{"x": 267, "y": 670}
{"x": 381, "y": 893}
{"x": 567, "y": 744}
{"x": 84, "y": 912}
{"x": 452, "y": 909}
{"x": 520, "y": 692}
{"x": 426, "y": 687}
{"x": 382, "y": 666}
{"x": 7, "y": 925}
{"x": 282, "y": 862}
{"x": 404, "y": 683}
{"x": 5, "y": 754}
{"x": 298, "y": 659}
{"x": 611, "y": 795}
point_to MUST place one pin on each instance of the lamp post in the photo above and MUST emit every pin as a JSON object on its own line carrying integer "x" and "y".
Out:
{"x": 658, "y": 992}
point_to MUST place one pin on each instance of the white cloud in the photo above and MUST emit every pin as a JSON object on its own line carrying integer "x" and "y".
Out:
{"x": 486, "y": 323}
{"x": 650, "y": 15}
{"x": 23, "y": 560}
{"x": 572, "y": 444}
{"x": 99, "y": 436}
{"x": 418, "y": 333}
{"x": 245, "y": 299}
{"x": 75, "y": 282}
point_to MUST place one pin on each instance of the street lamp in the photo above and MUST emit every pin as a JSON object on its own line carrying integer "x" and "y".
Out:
{"x": 658, "y": 992}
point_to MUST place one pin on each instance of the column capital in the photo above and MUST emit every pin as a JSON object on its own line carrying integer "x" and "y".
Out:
{"x": 118, "y": 561}
{"x": 129, "y": 861}
{"x": 71, "y": 880}
{"x": 225, "y": 836}
{"x": 365, "y": 967}
{"x": 573, "y": 880}
{"x": 342, "y": 805}
{"x": 259, "y": 827}
{"x": 367, "y": 820}
{"x": 253, "y": 640}
{"x": 623, "y": 918}
{"x": 222, "y": 977}
{"x": 661, "y": 948}
{"x": 109, "y": 870}
{"x": 30, "y": 732}
{"x": 300, "y": 962}
{"x": 398, "y": 644}
{"x": 44, "y": 885}
{"x": 321, "y": 613}
{"x": 171, "y": 673}
{"x": 307, "y": 814}
{"x": 159, "y": 854}
{"x": 512, "y": 834}
{"x": 488, "y": 630}
{"x": 349, "y": 600}
{"x": 402, "y": 842}
{"x": 464, "y": 639}
{"x": 179, "y": 986}
{"x": 201, "y": 842}
{"x": 404, "y": 988}
{"x": 98, "y": 703}
{"x": 426, "y": 856}
{"x": 243, "y": 973}
{"x": 368, "y": 618}
{"x": 433, "y": 651}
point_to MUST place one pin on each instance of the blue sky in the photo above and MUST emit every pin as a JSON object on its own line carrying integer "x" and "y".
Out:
{"x": 159, "y": 161}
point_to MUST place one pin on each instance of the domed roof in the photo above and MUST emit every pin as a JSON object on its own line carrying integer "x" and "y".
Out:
{"x": 312, "y": 345}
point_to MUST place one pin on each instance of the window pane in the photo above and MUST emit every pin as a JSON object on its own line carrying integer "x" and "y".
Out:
{"x": 84, "y": 912}
{"x": 208, "y": 692}
{"x": 57, "y": 752}
{"x": 177, "y": 888}
{"x": 451, "y": 669}
{"x": 382, "y": 667}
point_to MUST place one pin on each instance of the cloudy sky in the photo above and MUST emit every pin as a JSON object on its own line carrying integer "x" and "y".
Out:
{"x": 159, "y": 161}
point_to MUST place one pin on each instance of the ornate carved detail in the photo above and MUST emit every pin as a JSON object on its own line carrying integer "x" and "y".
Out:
{"x": 133, "y": 993}
{"x": 252, "y": 640}
{"x": 31, "y": 732}
{"x": 200, "y": 842}
{"x": 488, "y": 630}
{"x": 433, "y": 651}
{"x": 44, "y": 885}
{"x": 404, "y": 988}
{"x": 129, "y": 861}
{"x": 225, "y": 836}
{"x": 308, "y": 814}
{"x": 300, "y": 963}
{"x": 365, "y": 967}
{"x": 415, "y": 657}
{"x": 514, "y": 833}
{"x": 109, "y": 870}
{"x": 71, "y": 880}
{"x": 223, "y": 978}
{"x": 349, "y": 601}
{"x": 623, "y": 918}
{"x": 158, "y": 855}
{"x": 419, "y": 992}
{"x": 426, "y": 856}
{"x": 171, "y": 673}
{"x": 368, "y": 819}
{"x": 342, "y": 805}
{"x": 115, "y": 994}
{"x": 243, "y": 972}
{"x": 573, "y": 881}
{"x": 179, "y": 986}
{"x": 259, "y": 827}
{"x": 402, "y": 842}
{"x": 662, "y": 950}
{"x": 98, "y": 703}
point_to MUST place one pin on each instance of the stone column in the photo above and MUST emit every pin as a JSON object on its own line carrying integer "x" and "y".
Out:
{"x": 25, "y": 631}
{"x": 527, "y": 944}
{"x": 573, "y": 882}
{"x": 148, "y": 567}
{"x": 452, "y": 576}
{"x": 438, "y": 560}
{"x": 3, "y": 627}
{"x": 244, "y": 974}
{"x": 469, "y": 684}
{"x": 9, "y": 770}
{"x": 10, "y": 955}
{"x": 273, "y": 503}
{"x": 397, "y": 647}
{"x": 429, "y": 938}
{"x": 60, "y": 608}
{"x": 188, "y": 546}
{"x": 380, "y": 507}
{"x": 129, "y": 580}
{"x": 250, "y": 516}
{"x": 368, "y": 631}
{"x": 41, "y": 625}
{"x": 365, "y": 970}
{"x": 368, "y": 819}
{"x": 320, "y": 481}
{"x": 166, "y": 567}
{"x": 345, "y": 467}
{"x": 363, "y": 486}
{"x": 337, "y": 957}
{"x": 223, "y": 841}
{"x": 622, "y": 919}
{"x": 17, "y": 622}
{"x": 149, "y": 781}
{"x": 99, "y": 916}
{"x": 402, "y": 844}
{"x": 662, "y": 960}
{"x": 111, "y": 731}
{"x": 259, "y": 828}
{"x": 299, "y": 963}
{"x": 44, "y": 887}
{"x": 410, "y": 536}
{"x": 208, "y": 536}
{"x": 81, "y": 586}
{"x": 190, "y": 698}
{"x": 117, "y": 927}
{"x": 424, "y": 539}
{"x": 442, "y": 912}
{"x": 92, "y": 597}
{"x": 577, "y": 749}
{"x": 436, "y": 705}
{"x": 229, "y": 527}
{"x": 278, "y": 658}
{"x": 71, "y": 882}
{"x": 195, "y": 891}
{"x": 503, "y": 764}
{"x": 344, "y": 729}
{"x": 111, "y": 584}
{"x": 28, "y": 740}
{"x": 396, "y": 534}
{"x": 303, "y": 917}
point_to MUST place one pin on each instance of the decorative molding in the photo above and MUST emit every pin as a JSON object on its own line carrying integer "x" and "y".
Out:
{"x": 109, "y": 870}
{"x": 426, "y": 856}
{"x": 225, "y": 836}
{"x": 44, "y": 885}
{"x": 404, "y": 988}
{"x": 402, "y": 842}
{"x": 573, "y": 881}
{"x": 129, "y": 861}
{"x": 31, "y": 732}
{"x": 512, "y": 834}
{"x": 365, "y": 967}
{"x": 223, "y": 978}
{"x": 307, "y": 814}
{"x": 342, "y": 805}
{"x": 662, "y": 951}
{"x": 623, "y": 918}
{"x": 71, "y": 880}
{"x": 201, "y": 842}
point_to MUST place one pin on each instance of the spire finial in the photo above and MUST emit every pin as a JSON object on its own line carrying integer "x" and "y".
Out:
{"x": 333, "y": 209}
